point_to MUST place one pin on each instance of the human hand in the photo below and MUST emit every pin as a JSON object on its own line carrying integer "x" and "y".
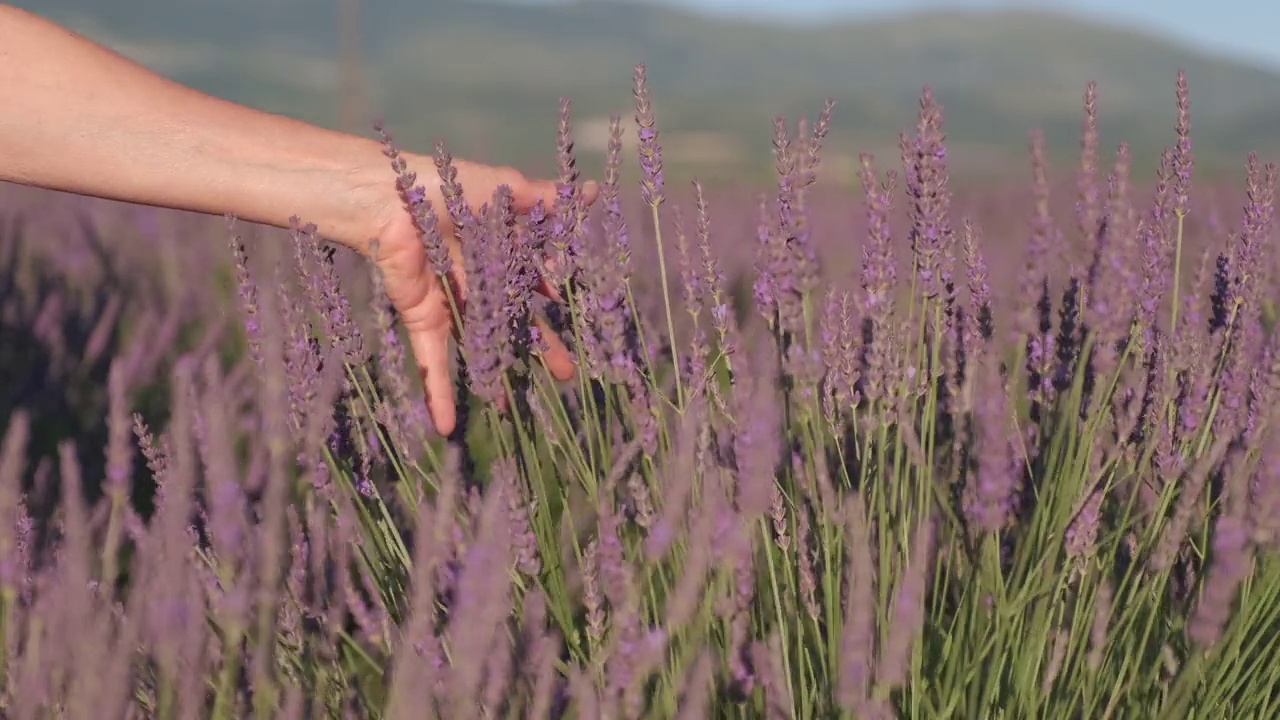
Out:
{"x": 81, "y": 118}
{"x": 416, "y": 291}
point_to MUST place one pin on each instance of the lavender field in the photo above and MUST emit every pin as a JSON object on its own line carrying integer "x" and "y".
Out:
{"x": 862, "y": 447}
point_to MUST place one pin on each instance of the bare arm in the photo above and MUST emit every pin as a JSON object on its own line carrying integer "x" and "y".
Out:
{"x": 76, "y": 116}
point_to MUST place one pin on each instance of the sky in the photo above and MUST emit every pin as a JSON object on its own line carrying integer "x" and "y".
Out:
{"x": 1245, "y": 29}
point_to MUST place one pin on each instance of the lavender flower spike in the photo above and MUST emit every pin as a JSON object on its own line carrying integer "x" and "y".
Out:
{"x": 650, "y": 151}
{"x": 414, "y": 197}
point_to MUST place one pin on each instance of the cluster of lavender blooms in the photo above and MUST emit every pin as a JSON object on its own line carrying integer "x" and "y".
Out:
{"x": 786, "y": 494}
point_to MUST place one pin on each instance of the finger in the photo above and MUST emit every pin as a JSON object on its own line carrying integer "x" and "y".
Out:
{"x": 404, "y": 275}
{"x": 557, "y": 357}
{"x": 546, "y": 289}
{"x": 431, "y": 350}
{"x": 526, "y": 193}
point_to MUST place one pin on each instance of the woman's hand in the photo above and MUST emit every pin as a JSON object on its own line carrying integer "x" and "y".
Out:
{"x": 416, "y": 291}
{"x": 81, "y": 118}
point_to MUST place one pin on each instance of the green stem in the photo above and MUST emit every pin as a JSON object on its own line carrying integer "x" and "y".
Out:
{"x": 666, "y": 302}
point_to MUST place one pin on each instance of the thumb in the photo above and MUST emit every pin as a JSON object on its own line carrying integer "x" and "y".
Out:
{"x": 404, "y": 274}
{"x": 525, "y": 195}
{"x": 431, "y": 353}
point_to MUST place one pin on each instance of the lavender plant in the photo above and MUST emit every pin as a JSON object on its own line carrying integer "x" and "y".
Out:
{"x": 904, "y": 492}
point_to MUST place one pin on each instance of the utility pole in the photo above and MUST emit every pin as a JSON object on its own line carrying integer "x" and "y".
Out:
{"x": 352, "y": 82}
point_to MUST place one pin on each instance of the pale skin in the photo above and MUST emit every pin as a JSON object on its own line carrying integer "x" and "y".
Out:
{"x": 78, "y": 117}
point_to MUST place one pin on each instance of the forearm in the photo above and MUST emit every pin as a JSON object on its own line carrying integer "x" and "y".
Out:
{"x": 78, "y": 117}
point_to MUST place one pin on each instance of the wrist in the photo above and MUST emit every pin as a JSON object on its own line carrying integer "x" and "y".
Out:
{"x": 344, "y": 186}
{"x": 363, "y": 202}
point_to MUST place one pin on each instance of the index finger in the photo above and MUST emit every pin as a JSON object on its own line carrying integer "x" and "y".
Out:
{"x": 431, "y": 352}
{"x": 526, "y": 195}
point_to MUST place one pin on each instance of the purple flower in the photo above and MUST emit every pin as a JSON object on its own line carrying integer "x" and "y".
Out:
{"x": 1112, "y": 281}
{"x": 248, "y": 291}
{"x": 998, "y": 467}
{"x": 425, "y": 222}
{"x": 615, "y": 223}
{"x": 879, "y": 282}
{"x": 455, "y": 203}
{"x": 789, "y": 262}
{"x": 315, "y": 265}
{"x": 406, "y": 421}
{"x": 978, "y": 326}
{"x": 612, "y": 341}
{"x": 12, "y": 461}
{"x": 1183, "y": 160}
{"x": 858, "y": 639}
{"x": 487, "y": 334}
{"x": 1088, "y": 209}
{"x": 770, "y": 265}
{"x": 567, "y": 221}
{"x": 1155, "y": 277}
{"x": 839, "y": 355}
{"x": 1082, "y": 534}
{"x": 924, "y": 160}
{"x": 651, "y": 186}
{"x": 1032, "y": 324}
{"x": 1264, "y": 498}
{"x": 1101, "y": 619}
{"x": 879, "y": 271}
{"x": 1231, "y": 562}
{"x": 756, "y": 443}
{"x": 908, "y": 616}
{"x": 592, "y": 598}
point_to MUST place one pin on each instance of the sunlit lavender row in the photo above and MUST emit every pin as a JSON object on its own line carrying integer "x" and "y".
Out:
{"x": 863, "y": 449}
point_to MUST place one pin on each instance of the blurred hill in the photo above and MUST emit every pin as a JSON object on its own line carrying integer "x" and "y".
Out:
{"x": 487, "y": 77}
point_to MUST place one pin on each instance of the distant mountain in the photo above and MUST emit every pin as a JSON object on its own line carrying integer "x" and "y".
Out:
{"x": 487, "y": 77}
